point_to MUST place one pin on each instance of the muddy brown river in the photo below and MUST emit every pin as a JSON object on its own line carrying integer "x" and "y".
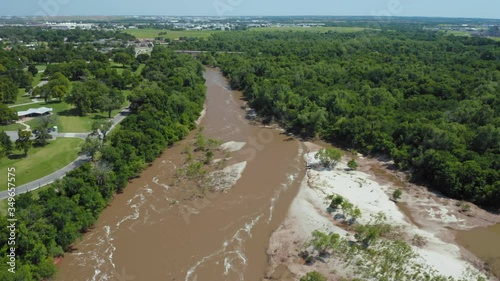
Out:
{"x": 484, "y": 242}
{"x": 153, "y": 232}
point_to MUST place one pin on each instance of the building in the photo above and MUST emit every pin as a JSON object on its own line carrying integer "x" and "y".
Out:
{"x": 34, "y": 112}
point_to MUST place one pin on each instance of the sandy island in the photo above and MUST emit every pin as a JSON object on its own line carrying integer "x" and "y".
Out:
{"x": 432, "y": 217}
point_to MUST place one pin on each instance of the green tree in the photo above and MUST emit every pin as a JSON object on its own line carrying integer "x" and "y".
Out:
{"x": 7, "y": 114}
{"x": 42, "y": 126}
{"x": 112, "y": 100}
{"x": 58, "y": 92}
{"x": 43, "y": 91}
{"x": 354, "y": 215}
{"x": 42, "y": 136}
{"x": 142, "y": 58}
{"x": 32, "y": 69}
{"x": 102, "y": 126}
{"x": 322, "y": 242}
{"x": 24, "y": 141}
{"x": 328, "y": 157}
{"x": 8, "y": 90}
{"x": 80, "y": 98}
{"x": 313, "y": 276}
{"x": 122, "y": 58}
{"x": 91, "y": 147}
{"x": 59, "y": 79}
{"x": 336, "y": 201}
{"x": 5, "y": 143}
{"x": 45, "y": 269}
{"x": 396, "y": 195}
{"x": 347, "y": 207}
{"x": 134, "y": 66}
{"x": 352, "y": 164}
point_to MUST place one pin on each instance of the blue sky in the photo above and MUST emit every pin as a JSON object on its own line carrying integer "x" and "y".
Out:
{"x": 429, "y": 8}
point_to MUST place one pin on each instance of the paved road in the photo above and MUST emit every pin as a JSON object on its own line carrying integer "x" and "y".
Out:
{"x": 13, "y": 135}
{"x": 71, "y": 166}
{"x": 22, "y": 104}
{"x": 48, "y": 179}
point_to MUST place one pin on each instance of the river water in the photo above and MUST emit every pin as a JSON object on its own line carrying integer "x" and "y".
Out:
{"x": 154, "y": 232}
{"x": 484, "y": 242}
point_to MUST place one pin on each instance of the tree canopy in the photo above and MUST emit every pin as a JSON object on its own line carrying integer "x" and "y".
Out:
{"x": 428, "y": 100}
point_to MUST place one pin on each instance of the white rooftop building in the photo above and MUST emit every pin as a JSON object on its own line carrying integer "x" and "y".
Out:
{"x": 33, "y": 112}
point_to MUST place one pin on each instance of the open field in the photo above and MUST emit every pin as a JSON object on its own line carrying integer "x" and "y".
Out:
{"x": 120, "y": 68}
{"x": 171, "y": 34}
{"x": 458, "y": 33}
{"x": 467, "y": 34}
{"x": 310, "y": 29}
{"x": 41, "y": 161}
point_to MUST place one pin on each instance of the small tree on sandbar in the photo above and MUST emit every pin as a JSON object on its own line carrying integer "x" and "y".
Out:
{"x": 396, "y": 195}
{"x": 328, "y": 157}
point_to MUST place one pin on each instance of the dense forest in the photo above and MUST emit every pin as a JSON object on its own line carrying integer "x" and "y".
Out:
{"x": 164, "y": 107}
{"x": 38, "y": 34}
{"x": 430, "y": 101}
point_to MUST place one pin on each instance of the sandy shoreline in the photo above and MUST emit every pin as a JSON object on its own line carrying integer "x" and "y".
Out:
{"x": 432, "y": 217}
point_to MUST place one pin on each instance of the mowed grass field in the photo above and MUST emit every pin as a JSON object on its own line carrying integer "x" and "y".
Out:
{"x": 152, "y": 33}
{"x": 171, "y": 34}
{"x": 310, "y": 29}
{"x": 41, "y": 161}
{"x": 22, "y": 97}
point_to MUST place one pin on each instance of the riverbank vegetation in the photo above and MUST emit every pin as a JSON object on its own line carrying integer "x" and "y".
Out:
{"x": 377, "y": 252}
{"x": 203, "y": 157}
{"x": 164, "y": 108}
{"x": 428, "y": 100}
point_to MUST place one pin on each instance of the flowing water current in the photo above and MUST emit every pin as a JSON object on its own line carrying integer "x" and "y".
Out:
{"x": 153, "y": 231}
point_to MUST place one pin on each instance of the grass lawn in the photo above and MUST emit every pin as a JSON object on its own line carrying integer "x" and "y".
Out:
{"x": 310, "y": 29}
{"x": 21, "y": 97}
{"x": 172, "y": 34}
{"x": 37, "y": 79}
{"x": 141, "y": 67}
{"x": 457, "y": 33}
{"x": 119, "y": 67}
{"x": 11, "y": 127}
{"x": 41, "y": 161}
{"x": 67, "y": 119}
{"x": 41, "y": 67}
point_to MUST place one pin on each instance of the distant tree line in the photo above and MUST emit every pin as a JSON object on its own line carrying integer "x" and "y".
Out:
{"x": 30, "y": 34}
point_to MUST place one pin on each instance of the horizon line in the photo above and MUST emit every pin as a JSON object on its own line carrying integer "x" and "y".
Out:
{"x": 261, "y": 16}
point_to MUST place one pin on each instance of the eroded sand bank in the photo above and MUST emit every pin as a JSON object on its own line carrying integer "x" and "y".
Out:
{"x": 433, "y": 220}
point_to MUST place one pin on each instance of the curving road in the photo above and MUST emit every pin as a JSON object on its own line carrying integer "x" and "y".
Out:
{"x": 71, "y": 166}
